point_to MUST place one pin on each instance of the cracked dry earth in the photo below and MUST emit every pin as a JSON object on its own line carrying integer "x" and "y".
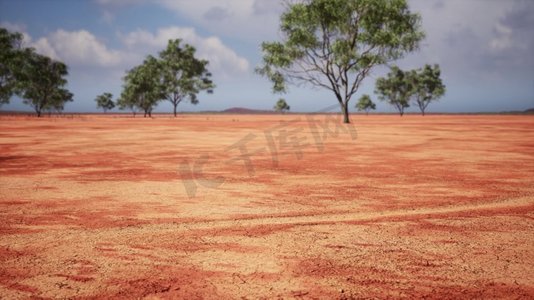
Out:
{"x": 435, "y": 207}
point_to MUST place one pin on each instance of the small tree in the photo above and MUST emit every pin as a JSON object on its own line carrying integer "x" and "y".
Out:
{"x": 428, "y": 86}
{"x": 126, "y": 101}
{"x": 105, "y": 102}
{"x": 281, "y": 106}
{"x": 143, "y": 87}
{"x": 396, "y": 89}
{"x": 365, "y": 104}
{"x": 10, "y": 54}
{"x": 334, "y": 44}
{"x": 40, "y": 82}
{"x": 183, "y": 75}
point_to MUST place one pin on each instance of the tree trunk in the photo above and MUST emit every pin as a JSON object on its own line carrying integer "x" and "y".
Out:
{"x": 345, "y": 111}
{"x": 175, "y": 105}
{"x": 422, "y": 107}
{"x": 37, "y": 111}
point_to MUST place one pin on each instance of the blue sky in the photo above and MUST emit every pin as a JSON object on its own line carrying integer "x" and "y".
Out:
{"x": 483, "y": 47}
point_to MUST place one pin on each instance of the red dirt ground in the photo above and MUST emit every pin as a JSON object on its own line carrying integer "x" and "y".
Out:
{"x": 116, "y": 207}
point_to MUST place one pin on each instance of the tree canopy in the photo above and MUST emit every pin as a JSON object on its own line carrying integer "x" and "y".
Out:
{"x": 365, "y": 104}
{"x": 143, "y": 87}
{"x": 175, "y": 76}
{"x": 128, "y": 101}
{"x": 36, "y": 78}
{"x": 281, "y": 106}
{"x": 396, "y": 89}
{"x": 428, "y": 86}
{"x": 183, "y": 75}
{"x": 10, "y": 54}
{"x": 105, "y": 102}
{"x": 334, "y": 44}
{"x": 400, "y": 87}
{"x": 41, "y": 82}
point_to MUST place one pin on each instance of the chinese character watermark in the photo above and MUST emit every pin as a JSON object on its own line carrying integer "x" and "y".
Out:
{"x": 282, "y": 138}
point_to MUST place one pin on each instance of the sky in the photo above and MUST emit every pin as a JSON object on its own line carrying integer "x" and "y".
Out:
{"x": 484, "y": 48}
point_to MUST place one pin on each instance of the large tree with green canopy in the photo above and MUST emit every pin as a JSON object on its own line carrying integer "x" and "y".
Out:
{"x": 428, "y": 86}
{"x": 396, "y": 88}
{"x": 399, "y": 87}
{"x": 41, "y": 82}
{"x": 143, "y": 87}
{"x": 36, "y": 78}
{"x": 334, "y": 44}
{"x": 183, "y": 75}
{"x": 10, "y": 54}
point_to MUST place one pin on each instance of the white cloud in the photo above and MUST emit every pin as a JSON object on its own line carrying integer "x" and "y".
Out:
{"x": 248, "y": 20}
{"x": 78, "y": 48}
{"x": 82, "y": 48}
{"x": 474, "y": 39}
{"x": 13, "y": 27}
{"x": 43, "y": 47}
{"x": 219, "y": 16}
{"x": 111, "y": 7}
{"x": 463, "y": 36}
{"x": 222, "y": 60}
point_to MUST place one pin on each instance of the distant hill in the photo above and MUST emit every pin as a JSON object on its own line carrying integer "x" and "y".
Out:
{"x": 529, "y": 111}
{"x": 243, "y": 110}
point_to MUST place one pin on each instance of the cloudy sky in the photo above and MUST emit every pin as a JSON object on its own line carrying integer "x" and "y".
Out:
{"x": 484, "y": 48}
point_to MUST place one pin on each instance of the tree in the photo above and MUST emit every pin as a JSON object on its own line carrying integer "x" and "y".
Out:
{"x": 58, "y": 100}
{"x": 281, "y": 106}
{"x": 105, "y": 102}
{"x": 126, "y": 101}
{"x": 41, "y": 82}
{"x": 10, "y": 52}
{"x": 143, "y": 87}
{"x": 428, "y": 86}
{"x": 396, "y": 88}
{"x": 334, "y": 44}
{"x": 183, "y": 75}
{"x": 365, "y": 104}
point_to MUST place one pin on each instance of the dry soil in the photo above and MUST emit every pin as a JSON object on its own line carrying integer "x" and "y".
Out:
{"x": 267, "y": 206}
